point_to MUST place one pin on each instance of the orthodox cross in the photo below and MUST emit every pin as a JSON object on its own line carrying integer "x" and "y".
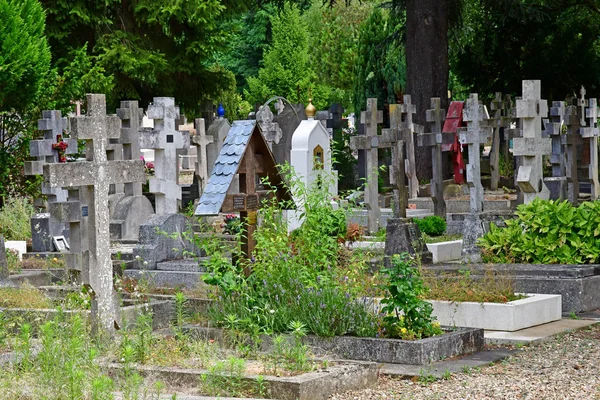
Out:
{"x": 591, "y": 134}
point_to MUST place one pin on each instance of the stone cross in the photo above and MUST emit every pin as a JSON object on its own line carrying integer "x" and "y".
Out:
{"x": 131, "y": 120}
{"x": 74, "y": 212}
{"x": 581, "y": 103}
{"x": 435, "y": 140}
{"x": 571, "y": 143}
{"x": 531, "y": 146}
{"x": 475, "y": 135}
{"x": 369, "y": 142}
{"x": 165, "y": 141}
{"x": 393, "y": 138}
{"x": 52, "y": 126}
{"x": 591, "y": 132}
{"x": 201, "y": 140}
{"x": 408, "y": 130}
{"x": 93, "y": 177}
{"x": 553, "y": 128}
{"x": 270, "y": 130}
{"x": 499, "y": 121}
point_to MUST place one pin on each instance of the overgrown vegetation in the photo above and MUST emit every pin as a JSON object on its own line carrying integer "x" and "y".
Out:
{"x": 14, "y": 218}
{"x": 431, "y": 225}
{"x": 546, "y": 232}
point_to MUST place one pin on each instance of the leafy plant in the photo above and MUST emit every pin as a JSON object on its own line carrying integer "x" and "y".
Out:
{"x": 14, "y": 218}
{"x": 407, "y": 316}
{"x": 546, "y": 232}
{"x": 431, "y": 225}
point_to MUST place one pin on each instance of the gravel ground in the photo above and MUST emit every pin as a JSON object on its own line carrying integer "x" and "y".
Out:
{"x": 566, "y": 367}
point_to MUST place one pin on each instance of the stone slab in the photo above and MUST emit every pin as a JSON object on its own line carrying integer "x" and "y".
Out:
{"x": 579, "y": 285}
{"x": 446, "y": 251}
{"x": 536, "y": 309}
{"x": 360, "y": 216}
{"x": 537, "y": 334}
{"x": 455, "y": 365}
{"x": 317, "y": 385}
{"x": 170, "y": 279}
{"x": 455, "y": 221}
{"x": 185, "y": 265}
{"x": 462, "y": 206}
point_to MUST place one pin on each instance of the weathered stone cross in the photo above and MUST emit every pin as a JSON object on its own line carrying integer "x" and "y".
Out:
{"x": 553, "y": 128}
{"x": 475, "y": 135}
{"x": 408, "y": 130}
{"x": 435, "y": 140}
{"x": 531, "y": 146}
{"x": 392, "y": 137}
{"x": 571, "y": 142}
{"x": 165, "y": 141}
{"x": 93, "y": 177}
{"x": 131, "y": 119}
{"x": 52, "y": 125}
{"x": 371, "y": 117}
{"x": 201, "y": 140}
{"x": 591, "y": 133}
{"x": 499, "y": 121}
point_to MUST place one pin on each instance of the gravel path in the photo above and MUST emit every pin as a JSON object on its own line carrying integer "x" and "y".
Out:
{"x": 567, "y": 367}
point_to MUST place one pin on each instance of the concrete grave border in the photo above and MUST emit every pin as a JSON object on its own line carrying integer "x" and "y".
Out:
{"x": 536, "y": 309}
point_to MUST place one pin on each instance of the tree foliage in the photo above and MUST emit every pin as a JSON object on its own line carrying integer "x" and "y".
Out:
{"x": 24, "y": 53}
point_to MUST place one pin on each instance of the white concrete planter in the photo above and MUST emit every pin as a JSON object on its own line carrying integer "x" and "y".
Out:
{"x": 536, "y": 309}
{"x": 446, "y": 251}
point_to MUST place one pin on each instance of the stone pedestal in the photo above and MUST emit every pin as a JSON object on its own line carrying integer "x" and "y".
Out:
{"x": 404, "y": 236}
{"x": 474, "y": 227}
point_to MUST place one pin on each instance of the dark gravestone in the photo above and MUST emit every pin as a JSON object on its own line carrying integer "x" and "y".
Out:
{"x": 403, "y": 236}
{"x": 289, "y": 119}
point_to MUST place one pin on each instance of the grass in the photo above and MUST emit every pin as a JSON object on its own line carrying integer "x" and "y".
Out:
{"x": 24, "y": 297}
{"x": 491, "y": 287}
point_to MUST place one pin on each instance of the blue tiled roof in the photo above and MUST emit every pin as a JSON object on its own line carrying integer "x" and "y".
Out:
{"x": 225, "y": 168}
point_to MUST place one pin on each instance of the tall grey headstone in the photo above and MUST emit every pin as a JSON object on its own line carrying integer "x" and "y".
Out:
{"x": 201, "y": 140}
{"x": 218, "y": 130}
{"x": 409, "y": 129}
{"x": 269, "y": 128}
{"x": 571, "y": 142}
{"x": 475, "y": 135}
{"x": 288, "y": 120}
{"x": 165, "y": 141}
{"x": 93, "y": 178}
{"x": 531, "y": 146}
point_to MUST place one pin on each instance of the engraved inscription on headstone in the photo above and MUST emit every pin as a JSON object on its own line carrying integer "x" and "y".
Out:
{"x": 239, "y": 202}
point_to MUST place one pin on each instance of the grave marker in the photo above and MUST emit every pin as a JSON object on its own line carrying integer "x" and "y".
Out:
{"x": 165, "y": 141}
{"x": 557, "y": 184}
{"x": 244, "y": 152}
{"x": 435, "y": 140}
{"x": 591, "y": 132}
{"x": 93, "y": 178}
{"x": 370, "y": 142}
{"x": 392, "y": 137}
{"x": 499, "y": 122}
{"x": 201, "y": 140}
{"x": 408, "y": 130}
{"x": 571, "y": 142}
{"x": 531, "y": 147}
{"x": 475, "y": 135}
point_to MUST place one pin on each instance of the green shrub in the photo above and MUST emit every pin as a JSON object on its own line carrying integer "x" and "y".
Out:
{"x": 546, "y": 232}
{"x": 14, "y": 218}
{"x": 432, "y": 225}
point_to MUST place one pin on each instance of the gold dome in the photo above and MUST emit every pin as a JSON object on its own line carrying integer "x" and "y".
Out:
{"x": 310, "y": 110}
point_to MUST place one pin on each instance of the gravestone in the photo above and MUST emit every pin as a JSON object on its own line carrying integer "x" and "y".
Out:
{"x": 43, "y": 225}
{"x": 201, "y": 140}
{"x": 571, "y": 143}
{"x": 310, "y": 160}
{"x": 590, "y": 133}
{"x": 435, "y": 140}
{"x": 288, "y": 120}
{"x": 402, "y": 234}
{"x": 408, "y": 136}
{"x": 454, "y": 120}
{"x": 475, "y": 135}
{"x": 132, "y": 208}
{"x": 74, "y": 212}
{"x": 218, "y": 131}
{"x": 245, "y": 153}
{"x": 270, "y": 129}
{"x": 557, "y": 184}
{"x": 531, "y": 147}
{"x": 93, "y": 178}
{"x": 165, "y": 141}
{"x": 4, "y": 281}
{"x": 500, "y": 122}
{"x": 369, "y": 142}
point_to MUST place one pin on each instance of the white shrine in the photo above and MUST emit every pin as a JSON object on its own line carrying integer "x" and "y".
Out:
{"x": 310, "y": 160}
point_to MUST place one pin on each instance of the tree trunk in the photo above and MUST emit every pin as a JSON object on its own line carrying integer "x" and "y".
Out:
{"x": 426, "y": 64}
